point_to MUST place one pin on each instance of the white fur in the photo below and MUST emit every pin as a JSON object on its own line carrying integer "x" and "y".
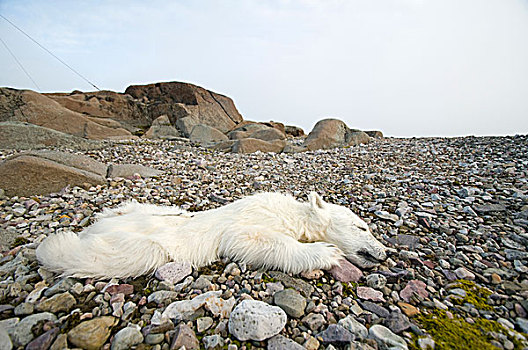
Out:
{"x": 267, "y": 230}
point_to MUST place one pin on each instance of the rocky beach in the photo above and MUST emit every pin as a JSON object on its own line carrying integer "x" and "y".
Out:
{"x": 453, "y": 211}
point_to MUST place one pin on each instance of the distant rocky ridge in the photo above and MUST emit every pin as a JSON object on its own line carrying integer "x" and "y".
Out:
{"x": 169, "y": 110}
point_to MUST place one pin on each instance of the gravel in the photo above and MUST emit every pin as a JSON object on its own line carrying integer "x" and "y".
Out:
{"x": 450, "y": 209}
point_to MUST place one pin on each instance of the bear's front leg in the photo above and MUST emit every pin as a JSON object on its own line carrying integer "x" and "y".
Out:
{"x": 274, "y": 250}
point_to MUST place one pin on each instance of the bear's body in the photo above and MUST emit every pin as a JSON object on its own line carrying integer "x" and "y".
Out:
{"x": 267, "y": 230}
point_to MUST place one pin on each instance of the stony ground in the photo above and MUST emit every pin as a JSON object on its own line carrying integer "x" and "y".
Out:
{"x": 454, "y": 211}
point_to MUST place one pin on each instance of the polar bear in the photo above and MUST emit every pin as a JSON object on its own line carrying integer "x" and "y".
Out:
{"x": 266, "y": 230}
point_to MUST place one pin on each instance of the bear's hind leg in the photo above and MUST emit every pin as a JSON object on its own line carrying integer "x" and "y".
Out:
{"x": 274, "y": 250}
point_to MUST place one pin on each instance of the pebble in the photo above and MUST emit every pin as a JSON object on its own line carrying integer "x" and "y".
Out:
{"x": 256, "y": 320}
{"x": 127, "y": 337}
{"x": 464, "y": 273}
{"x": 335, "y": 334}
{"x": 57, "y": 303}
{"x": 203, "y": 324}
{"x": 367, "y": 293}
{"x": 22, "y": 331}
{"x": 92, "y": 334}
{"x": 5, "y": 341}
{"x": 314, "y": 321}
{"x": 280, "y": 342}
{"x": 291, "y": 301}
{"x": 185, "y": 337}
{"x": 414, "y": 287}
{"x": 173, "y": 272}
{"x": 214, "y": 341}
{"x": 386, "y": 338}
{"x": 358, "y": 330}
{"x": 346, "y": 272}
{"x": 376, "y": 281}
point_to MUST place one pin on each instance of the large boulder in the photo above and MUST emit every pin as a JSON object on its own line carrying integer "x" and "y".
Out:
{"x": 180, "y": 100}
{"x": 375, "y": 134}
{"x": 32, "y": 107}
{"x": 105, "y": 105}
{"x": 251, "y": 145}
{"x": 269, "y": 134}
{"x": 162, "y": 128}
{"x": 293, "y": 131}
{"x": 19, "y": 135}
{"x": 206, "y": 135}
{"x": 331, "y": 133}
{"x": 39, "y": 173}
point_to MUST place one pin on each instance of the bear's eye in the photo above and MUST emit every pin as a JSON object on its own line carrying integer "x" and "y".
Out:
{"x": 361, "y": 228}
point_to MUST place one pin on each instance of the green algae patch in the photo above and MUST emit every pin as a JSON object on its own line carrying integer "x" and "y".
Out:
{"x": 349, "y": 289}
{"x": 475, "y": 295}
{"x": 455, "y": 333}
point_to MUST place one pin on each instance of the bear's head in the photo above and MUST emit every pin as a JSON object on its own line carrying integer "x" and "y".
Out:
{"x": 349, "y": 233}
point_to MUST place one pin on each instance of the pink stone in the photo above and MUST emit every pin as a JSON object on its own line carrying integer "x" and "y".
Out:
{"x": 368, "y": 293}
{"x": 125, "y": 289}
{"x": 312, "y": 275}
{"x": 174, "y": 272}
{"x": 414, "y": 287}
{"x": 346, "y": 272}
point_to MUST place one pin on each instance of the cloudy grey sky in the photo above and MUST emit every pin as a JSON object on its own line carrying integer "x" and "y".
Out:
{"x": 406, "y": 67}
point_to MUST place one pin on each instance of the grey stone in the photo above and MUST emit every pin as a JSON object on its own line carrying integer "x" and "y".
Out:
{"x": 376, "y": 281}
{"x": 289, "y": 282}
{"x": 314, "y": 321}
{"x": 256, "y": 320}
{"x": 153, "y": 339}
{"x": 214, "y": 341}
{"x": 336, "y": 334}
{"x": 512, "y": 254}
{"x": 386, "y": 339}
{"x": 5, "y": 341}
{"x": 280, "y": 342}
{"x": 163, "y": 296}
{"x": 127, "y": 337}
{"x": 358, "y": 330}
{"x": 522, "y": 323}
{"x": 23, "y": 309}
{"x": 22, "y": 334}
{"x": 397, "y": 322}
{"x": 291, "y": 302}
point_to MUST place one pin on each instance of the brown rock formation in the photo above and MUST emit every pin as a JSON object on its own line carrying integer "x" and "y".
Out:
{"x": 31, "y": 107}
{"x": 182, "y": 100}
{"x": 330, "y": 133}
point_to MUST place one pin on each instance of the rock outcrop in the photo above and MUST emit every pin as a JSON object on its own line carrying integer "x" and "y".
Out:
{"x": 162, "y": 128}
{"x": 192, "y": 103}
{"x": 31, "y": 107}
{"x": 44, "y": 172}
{"x": 105, "y": 105}
{"x": 206, "y": 135}
{"x": 331, "y": 133}
{"x": 19, "y": 135}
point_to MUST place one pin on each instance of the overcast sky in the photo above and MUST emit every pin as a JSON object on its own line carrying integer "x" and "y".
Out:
{"x": 406, "y": 67}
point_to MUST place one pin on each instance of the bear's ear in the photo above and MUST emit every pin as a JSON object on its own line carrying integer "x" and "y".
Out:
{"x": 316, "y": 201}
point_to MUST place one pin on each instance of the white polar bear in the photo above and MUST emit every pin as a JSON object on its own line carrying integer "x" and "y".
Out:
{"x": 266, "y": 230}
